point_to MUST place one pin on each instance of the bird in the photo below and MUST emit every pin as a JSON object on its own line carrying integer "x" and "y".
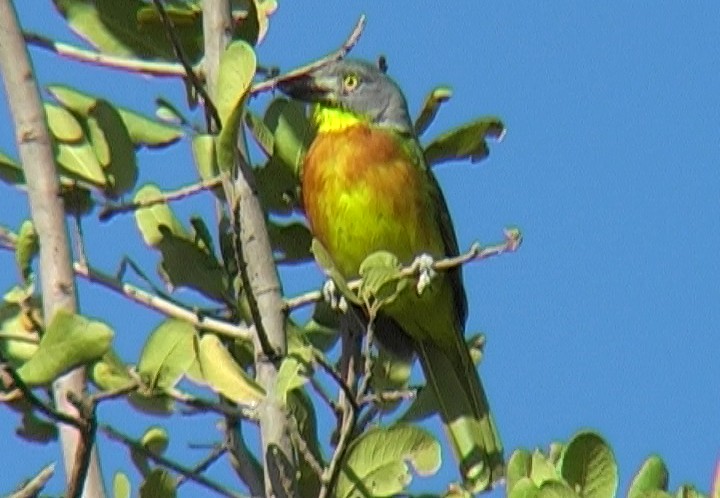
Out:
{"x": 366, "y": 187}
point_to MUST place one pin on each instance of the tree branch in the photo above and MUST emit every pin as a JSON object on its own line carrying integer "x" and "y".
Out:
{"x": 513, "y": 239}
{"x": 46, "y": 207}
{"x": 33, "y": 487}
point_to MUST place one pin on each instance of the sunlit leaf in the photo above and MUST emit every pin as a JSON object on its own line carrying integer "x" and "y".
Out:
{"x": 541, "y": 469}
{"x": 465, "y": 142}
{"x": 151, "y": 219}
{"x": 295, "y": 368}
{"x": 588, "y": 466}
{"x": 110, "y": 372}
{"x": 63, "y": 125}
{"x": 433, "y": 101}
{"x": 237, "y": 69}
{"x": 378, "y": 461}
{"x": 143, "y": 131}
{"x": 14, "y": 321}
{"x": 652, "y": 475}
{"x": 155, "y": 440}
{"x": 70, "y": 340}
{"x": 167, "y": 354}
{"x": 523, "y": 488}
{"x": 224, "y": 375}
{"x": 121, "y": 485}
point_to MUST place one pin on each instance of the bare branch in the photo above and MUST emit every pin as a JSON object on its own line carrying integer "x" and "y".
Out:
{"x": 218, "y": 451}
{"x": 33, "y": 487}
{"x": 170, "y": 464}
{"x": 340, "y": 53}
{"x": 110, "y": 210}
{"x": 161, "y": 69}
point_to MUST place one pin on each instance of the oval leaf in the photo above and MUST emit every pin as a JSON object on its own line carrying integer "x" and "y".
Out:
{"x": 167, "y": 354}
{"x": 158, "y": 484}
{"x": 556, "y": 489}
{"x": 69, "y": 341}
{"x": 155, "y": 440}
{"x": 465, "y": 142}
{"x": 377, "y": 462}
{"x": 62, "y": 124}
{"x": 121, "y": 485}
{"x": 652, "y": 475}
{"x": 26, "y": 248}
{"x": 224, "y": 375}
{"x": 589, "y": 467}
{"x": 518, "y": 467}
{"x": 430, "y": 108}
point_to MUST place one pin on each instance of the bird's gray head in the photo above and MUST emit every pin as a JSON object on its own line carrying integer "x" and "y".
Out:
{"x": 356, "y": 86}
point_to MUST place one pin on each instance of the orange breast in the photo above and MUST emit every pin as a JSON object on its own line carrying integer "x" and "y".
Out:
{"x": 363, "y": 192}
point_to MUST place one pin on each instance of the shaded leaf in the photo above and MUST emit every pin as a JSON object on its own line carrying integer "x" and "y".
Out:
{"x": 115, "y": 28}
{"x": 237, "y": 69}
{"x": 322, "y": 329}
{"x": 377, "y": 462}
{"x": 143, "y": 131}
{"x": 70, "y": 340}
{"x": 167, "y": 354}
{"x": 556, "y": 489}
{"x": 295, "y": 368}
{"x": 688, "y": 491}
{"x": 589, "y": 467}
{"x": 10, "y": 171}
{"x": 260, "y": 132}
{"x": 653, "y": 474}
{"x": 433, "y": 101}
{"x": 523, "y": 488}
{"x": 278, "y": 187}
{"x": 292, "y": 132}
{"x": 158, "y": 484}
{"x": 301, "y": 408}
{"x": 27, "y": 247}
{"x": 223, "y": 375}
{"x": 465, "y": 142}
{"x": 291, "y": 243}
{"x": 113, "y": 147}
{"x": 381, "y": 282}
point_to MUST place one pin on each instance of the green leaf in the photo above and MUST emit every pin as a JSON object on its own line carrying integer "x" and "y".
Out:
{"x": 187, "y": 261}
{"x": 27, "y": 247}
{"x": 121, "y": 485}
{"x": 63, "y": 125}
{"x": 155, "y": 440}
{"x": 301, "y": 408}
{"x": 295, "y": 369}
{"x": 292, "y": 132}
{"x": 556, "y": 489}
{"x": 431, "y": 106}
{"x": 589, "y": 467}
{"x": 168, "y": 113}
{"x": 278, "y": 187}
{"x": 203, "y": 148}
{"x": 324, "y": 260}
{"x": 518, "y": 467}
{"x": 237, "y": 69}
{"x": 465, "y": 142}
{"x": 167, "y": 354}
{"x": 541, "y": 469}
{"x": 223, "y": 375}
{"x": 14, "y": 320}
{"x": 158, "y": 484}
{"x": 69, "y": 341}
{"x": 76, "y": 157}
{"x": 523, "y": 488}
{"x": 110, "y": 372}
{"x": 653, "y": 474}
{"x": 10, "y": 171}
{"x": 116, "y": 28}
{"x": 113, "y": 147}
{"x": 377, "y": 462}
{"x": 143, "y": 131}
{"x": 35, "y": 429}
{"x": 260, "y": 132}
{"x": 291, "y": 243}
{"x": 381, "y": 281}
{"x": 688, "y": 491}
{"x": 389, "y": 373}
{"x": 322, "y": 330}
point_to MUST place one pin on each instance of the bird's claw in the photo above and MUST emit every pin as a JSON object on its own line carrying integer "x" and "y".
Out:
{"x": 423, "y": 264}
{"x": 332, "y": 296}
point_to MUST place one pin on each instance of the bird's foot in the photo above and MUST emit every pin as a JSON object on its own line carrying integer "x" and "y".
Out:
{"x": 423, "y": 265}
{"x": 332, "y": 296}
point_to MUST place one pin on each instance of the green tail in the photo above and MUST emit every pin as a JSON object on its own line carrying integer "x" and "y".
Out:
{"x": 465, "y": 412}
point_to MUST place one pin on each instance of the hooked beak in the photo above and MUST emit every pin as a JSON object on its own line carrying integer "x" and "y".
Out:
{"x": 310, "y": 88}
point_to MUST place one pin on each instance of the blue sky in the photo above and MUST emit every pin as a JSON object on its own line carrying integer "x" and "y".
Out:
{"x": 607, "y": 317}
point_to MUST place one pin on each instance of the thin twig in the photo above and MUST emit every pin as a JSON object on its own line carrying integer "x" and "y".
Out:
{"x": 83, "y": 452}
{"x": 329, "y": 477}
{"x": 304, "y": 449}
{"x": 36, "y": 402}
{"x": 8, "y": 239}
{"x": 33, "y": 487}
{"x": 161, "y": 69}
{"x": 110, "y": 210}
{"x": 512, "y": 241}
{"x": 189, "y": 71}
{"x": 218, "y": 451}
{"x": 340, "y": 53}
{"x": 170, "y": 464}
{"x": 367, "y": 353}
{"x": 203, "y": 405}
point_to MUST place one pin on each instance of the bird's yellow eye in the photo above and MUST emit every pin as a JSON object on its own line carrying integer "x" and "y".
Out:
{"x": 350, "y": 82}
